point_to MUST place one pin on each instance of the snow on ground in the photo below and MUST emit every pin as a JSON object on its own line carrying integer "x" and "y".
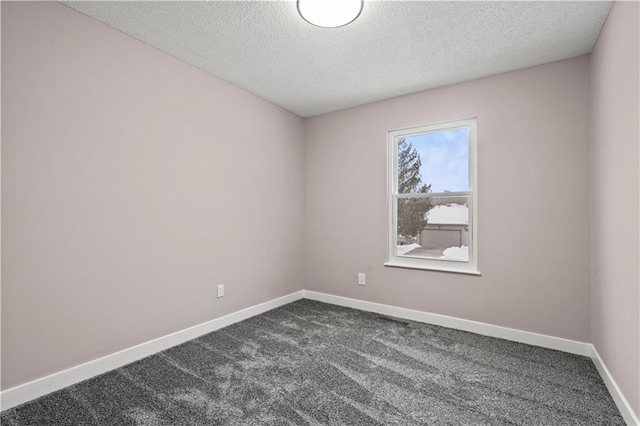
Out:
{"x": 450, "y": 253}
{"x": 406, "y": 249}
{"x": 450, "y": 214}
{"x": 456, "y": 253}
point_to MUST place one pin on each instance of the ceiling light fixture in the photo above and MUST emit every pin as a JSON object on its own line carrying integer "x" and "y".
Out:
{"x": 330, "y": 13}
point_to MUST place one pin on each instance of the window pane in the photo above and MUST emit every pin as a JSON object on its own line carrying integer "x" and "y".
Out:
{"x": 434, "y": 162}
{"x": 434, "y": 228}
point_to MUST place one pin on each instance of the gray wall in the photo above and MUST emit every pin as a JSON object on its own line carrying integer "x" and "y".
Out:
{"x": 132, "y": 184}
{"x": 615, "y": 186}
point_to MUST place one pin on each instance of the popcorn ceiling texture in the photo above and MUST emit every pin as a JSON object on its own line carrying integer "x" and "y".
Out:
{"x": 310, "y": 363}
{"x": 393, "y": 48}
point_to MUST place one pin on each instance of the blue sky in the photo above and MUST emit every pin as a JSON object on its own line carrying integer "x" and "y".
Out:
{"x": 445, "y": 159}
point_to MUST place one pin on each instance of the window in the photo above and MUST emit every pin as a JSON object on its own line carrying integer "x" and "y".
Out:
{"x": 433, "y": 197}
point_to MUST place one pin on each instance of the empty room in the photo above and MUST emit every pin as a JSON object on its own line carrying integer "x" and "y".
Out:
{"x": 320, "y": 212}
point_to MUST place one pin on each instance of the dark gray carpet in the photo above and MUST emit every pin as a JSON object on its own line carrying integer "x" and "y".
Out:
{"x": 310, "y": 363}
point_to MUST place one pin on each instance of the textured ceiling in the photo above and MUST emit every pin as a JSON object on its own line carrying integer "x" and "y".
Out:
{"x": 393, "y": 48}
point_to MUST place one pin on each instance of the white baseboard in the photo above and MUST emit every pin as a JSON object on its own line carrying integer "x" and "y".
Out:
{"x": 40, "y": 387}
{"x": 614, "y": 390}
{"x": 485, "y": 329}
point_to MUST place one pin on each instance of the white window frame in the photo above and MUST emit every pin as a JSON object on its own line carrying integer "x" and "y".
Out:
{"x": 470, "y": 267}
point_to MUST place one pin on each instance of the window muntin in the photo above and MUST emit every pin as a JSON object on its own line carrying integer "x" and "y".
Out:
{"x": 432, "y": 197}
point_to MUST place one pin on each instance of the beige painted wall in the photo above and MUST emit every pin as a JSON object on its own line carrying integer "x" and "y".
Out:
{"x": 132, "y": 184}
{"x": 615, "y": 183}
{"x": 532, "y": 168}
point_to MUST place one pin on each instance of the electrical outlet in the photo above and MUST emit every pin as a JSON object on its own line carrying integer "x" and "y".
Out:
{"x": 362, "y": 278}
{"x": 220, "y": 290}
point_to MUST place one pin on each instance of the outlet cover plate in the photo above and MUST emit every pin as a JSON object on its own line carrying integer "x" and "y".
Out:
{"x": 362, "y": 278}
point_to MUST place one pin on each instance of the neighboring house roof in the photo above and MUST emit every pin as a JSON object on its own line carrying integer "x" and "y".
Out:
{"x": 451, "y": 214}
{"x": 444, "y": 200}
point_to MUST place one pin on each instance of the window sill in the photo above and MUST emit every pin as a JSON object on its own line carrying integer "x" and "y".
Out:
{"x": 451, "y": 269}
